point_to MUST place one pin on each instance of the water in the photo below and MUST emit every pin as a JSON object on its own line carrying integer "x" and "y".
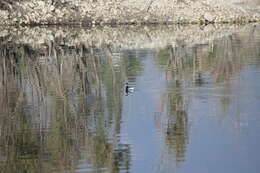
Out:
{"x": 195, "y": 106}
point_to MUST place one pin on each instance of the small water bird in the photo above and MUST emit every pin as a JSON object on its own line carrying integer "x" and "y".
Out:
{"x": 128, "y": 89}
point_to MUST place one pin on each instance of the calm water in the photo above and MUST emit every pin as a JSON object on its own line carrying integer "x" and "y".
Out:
{"x": 195, "y": 107}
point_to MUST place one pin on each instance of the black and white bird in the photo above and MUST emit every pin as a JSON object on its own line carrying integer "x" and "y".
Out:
{"x": 128, "y": 89}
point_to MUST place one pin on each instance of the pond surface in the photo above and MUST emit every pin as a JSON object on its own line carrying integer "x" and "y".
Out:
{"x": 195, "y": 107}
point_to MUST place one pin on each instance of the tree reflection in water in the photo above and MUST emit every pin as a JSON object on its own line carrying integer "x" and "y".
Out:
{"x": 194, "y": 66}
{"x": 60, "y": 109}
{"x": 61, "y": 104}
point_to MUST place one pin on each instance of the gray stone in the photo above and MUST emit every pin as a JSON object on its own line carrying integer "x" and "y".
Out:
{"x": 209, "y": 17}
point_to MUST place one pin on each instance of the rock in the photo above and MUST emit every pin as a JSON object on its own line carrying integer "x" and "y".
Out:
{"x": 41, "y": 3}
{"x": 209, "y": 17}
{"x": 4, "y": 14}
{"x": 52, "y": 8}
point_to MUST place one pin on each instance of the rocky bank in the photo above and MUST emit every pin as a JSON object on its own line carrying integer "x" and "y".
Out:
{"x": 116, "y": 12}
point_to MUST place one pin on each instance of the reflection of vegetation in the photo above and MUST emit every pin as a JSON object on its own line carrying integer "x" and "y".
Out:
{"x": 222, "y": 58}
{"x": 176, "y": 132}
{"x": 188, "y": 66}
{"x": 171, "y": 60}
{"x": 133, "y": 65}
{"x": 59, "y": 105}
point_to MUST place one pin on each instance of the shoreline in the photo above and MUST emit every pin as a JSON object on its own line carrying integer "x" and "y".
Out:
{"x": 119, "y": 24}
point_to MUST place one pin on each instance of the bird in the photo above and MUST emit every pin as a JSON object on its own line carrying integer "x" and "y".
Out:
{"x": 128, "y": 89}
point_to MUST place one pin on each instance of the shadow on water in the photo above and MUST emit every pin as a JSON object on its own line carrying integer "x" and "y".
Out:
{"x": 61, "y": 105}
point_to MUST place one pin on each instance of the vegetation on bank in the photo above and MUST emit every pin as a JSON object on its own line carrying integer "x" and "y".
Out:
{"x": 118, "y": 12}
